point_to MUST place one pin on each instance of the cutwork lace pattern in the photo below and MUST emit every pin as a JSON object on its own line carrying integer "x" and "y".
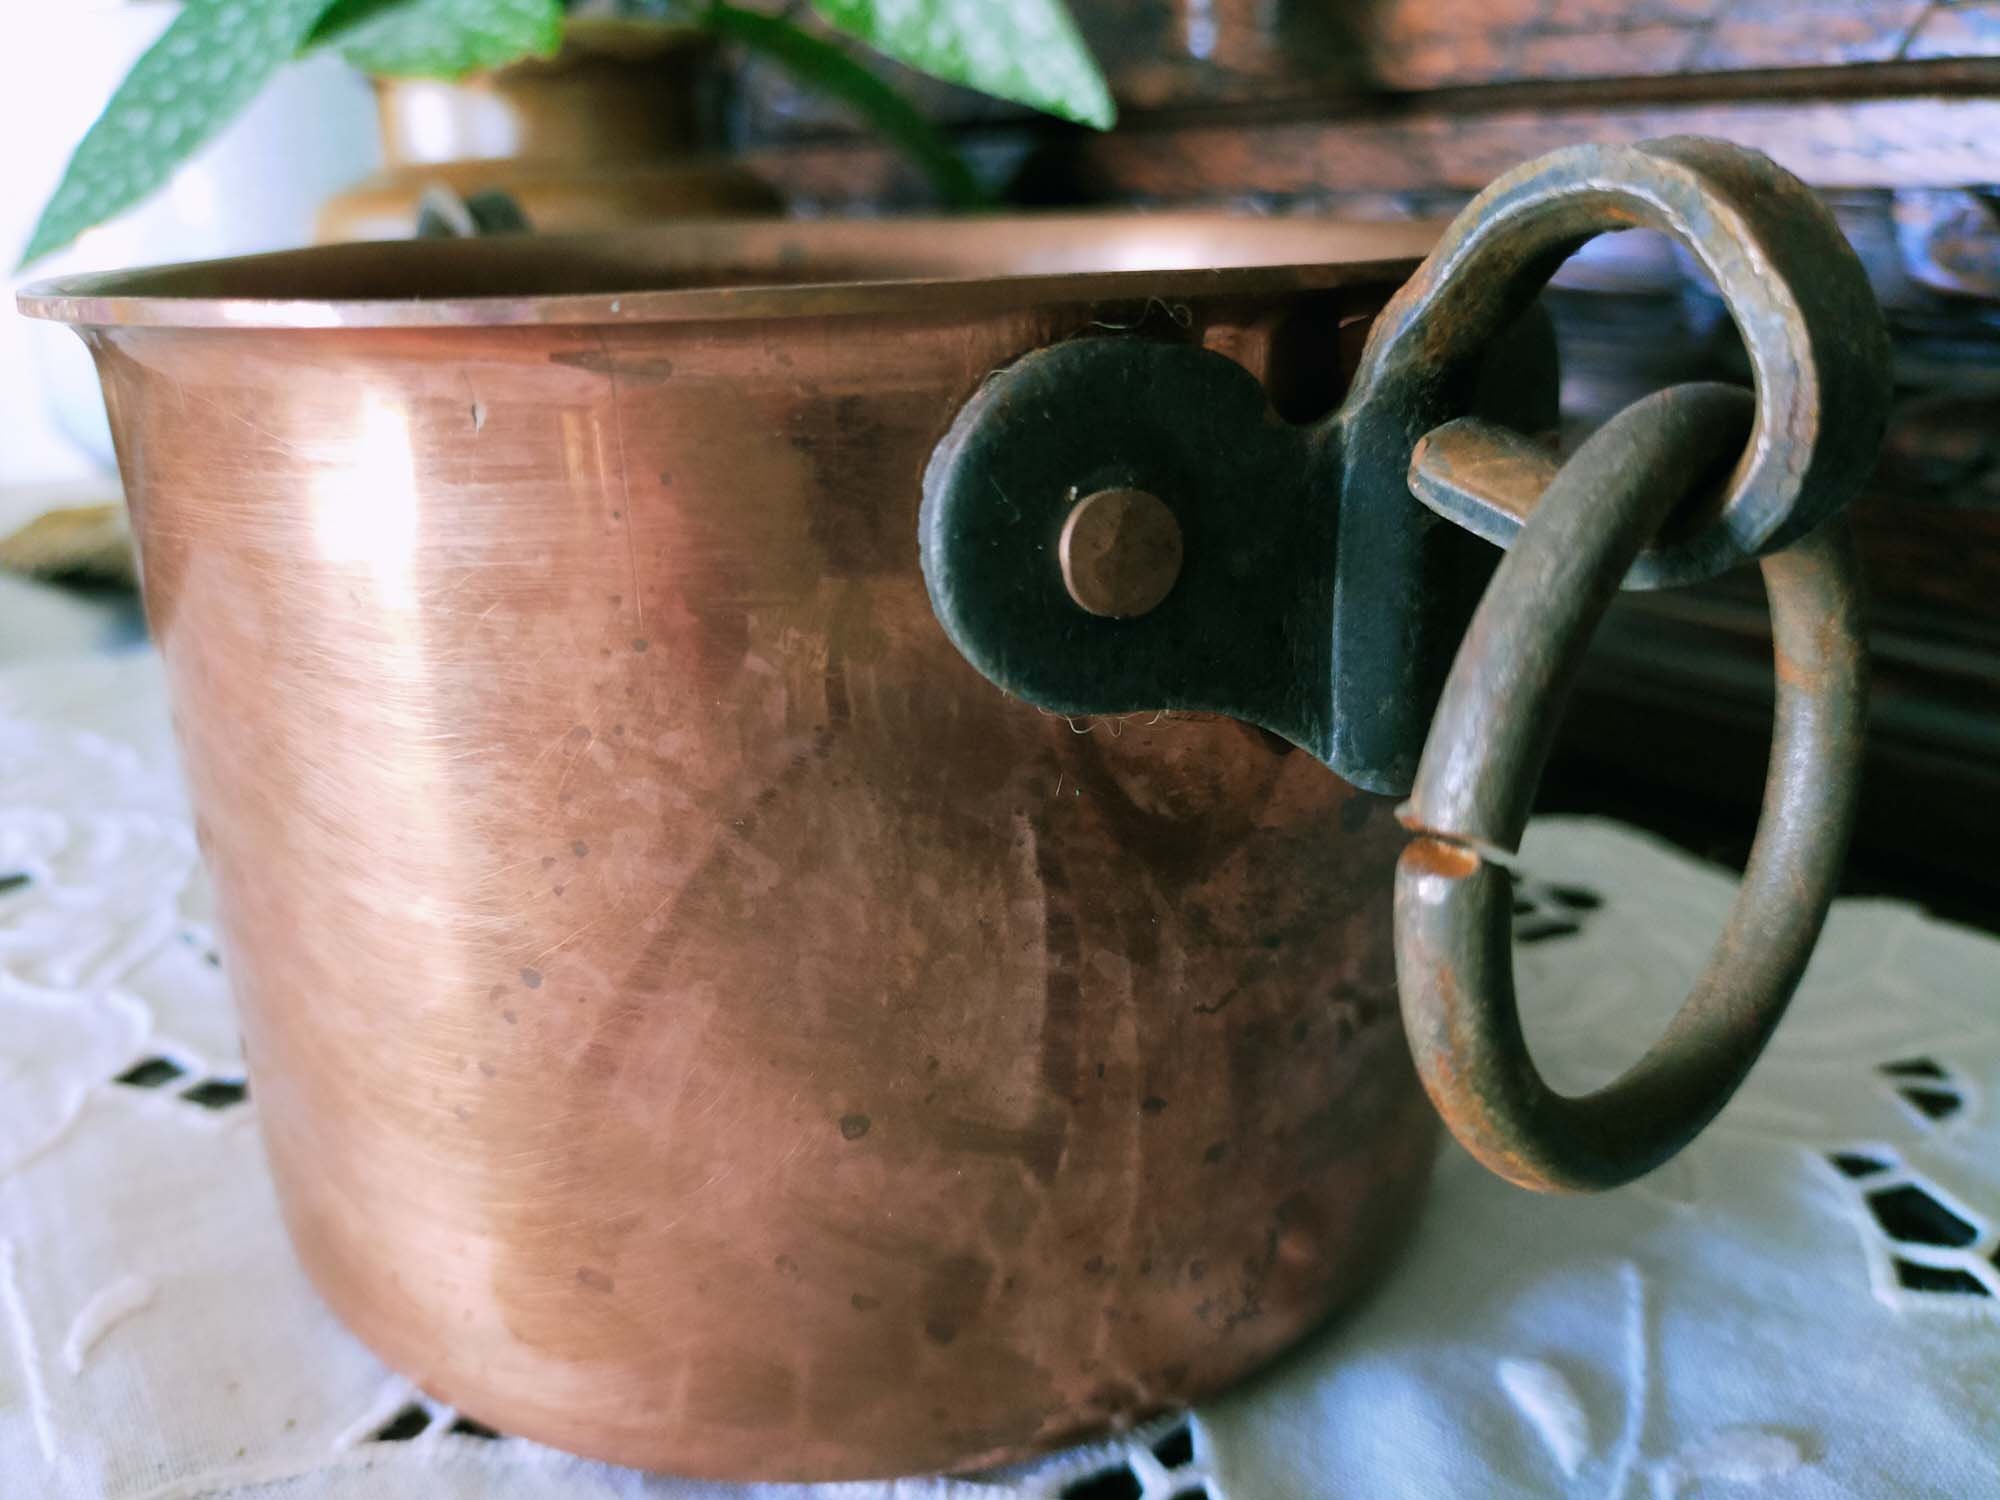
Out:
{"x": 1804, "y": 1303}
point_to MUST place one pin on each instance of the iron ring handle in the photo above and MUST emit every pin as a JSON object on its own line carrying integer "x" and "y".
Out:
{"x": 1816, "y": 344}
{"x": 1484, "y": 756}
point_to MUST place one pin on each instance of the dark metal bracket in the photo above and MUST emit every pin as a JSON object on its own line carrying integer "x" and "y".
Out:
{"x": 1245, "y": 629}
{"x": 1324, "y": 614}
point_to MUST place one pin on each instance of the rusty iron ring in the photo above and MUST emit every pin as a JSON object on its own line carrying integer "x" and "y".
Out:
{"x": 1817, "y": 347}
{"x": 1484, "y": 758}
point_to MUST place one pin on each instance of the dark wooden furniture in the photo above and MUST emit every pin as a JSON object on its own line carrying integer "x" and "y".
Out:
{"x": 1374, "y": 108}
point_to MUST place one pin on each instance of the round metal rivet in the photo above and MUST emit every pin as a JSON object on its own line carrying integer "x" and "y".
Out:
{"x": 1120, "y": 553}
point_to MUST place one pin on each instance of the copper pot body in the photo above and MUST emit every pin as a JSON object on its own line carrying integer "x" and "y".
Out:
{"x": 694, "y": 1019}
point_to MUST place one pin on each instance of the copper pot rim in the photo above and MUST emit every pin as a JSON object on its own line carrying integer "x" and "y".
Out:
{"x": 725, "y": 270}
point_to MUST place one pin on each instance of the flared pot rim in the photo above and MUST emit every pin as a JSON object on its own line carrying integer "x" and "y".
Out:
{"x": 730, "y": 270}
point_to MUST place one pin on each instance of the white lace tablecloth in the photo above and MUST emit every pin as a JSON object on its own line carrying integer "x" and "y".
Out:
{"x": 1803, "y": 1305}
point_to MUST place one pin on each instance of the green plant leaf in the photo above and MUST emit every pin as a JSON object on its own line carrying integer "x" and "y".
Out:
{"x": 205, "y": 68}
{"x": 1028, "y": 51}
{"x": 439, "y": 38}
{"x": 826, "y": 68}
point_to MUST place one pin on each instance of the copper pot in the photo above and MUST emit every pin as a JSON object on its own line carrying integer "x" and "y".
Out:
{"x": 695, "y": 1019}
